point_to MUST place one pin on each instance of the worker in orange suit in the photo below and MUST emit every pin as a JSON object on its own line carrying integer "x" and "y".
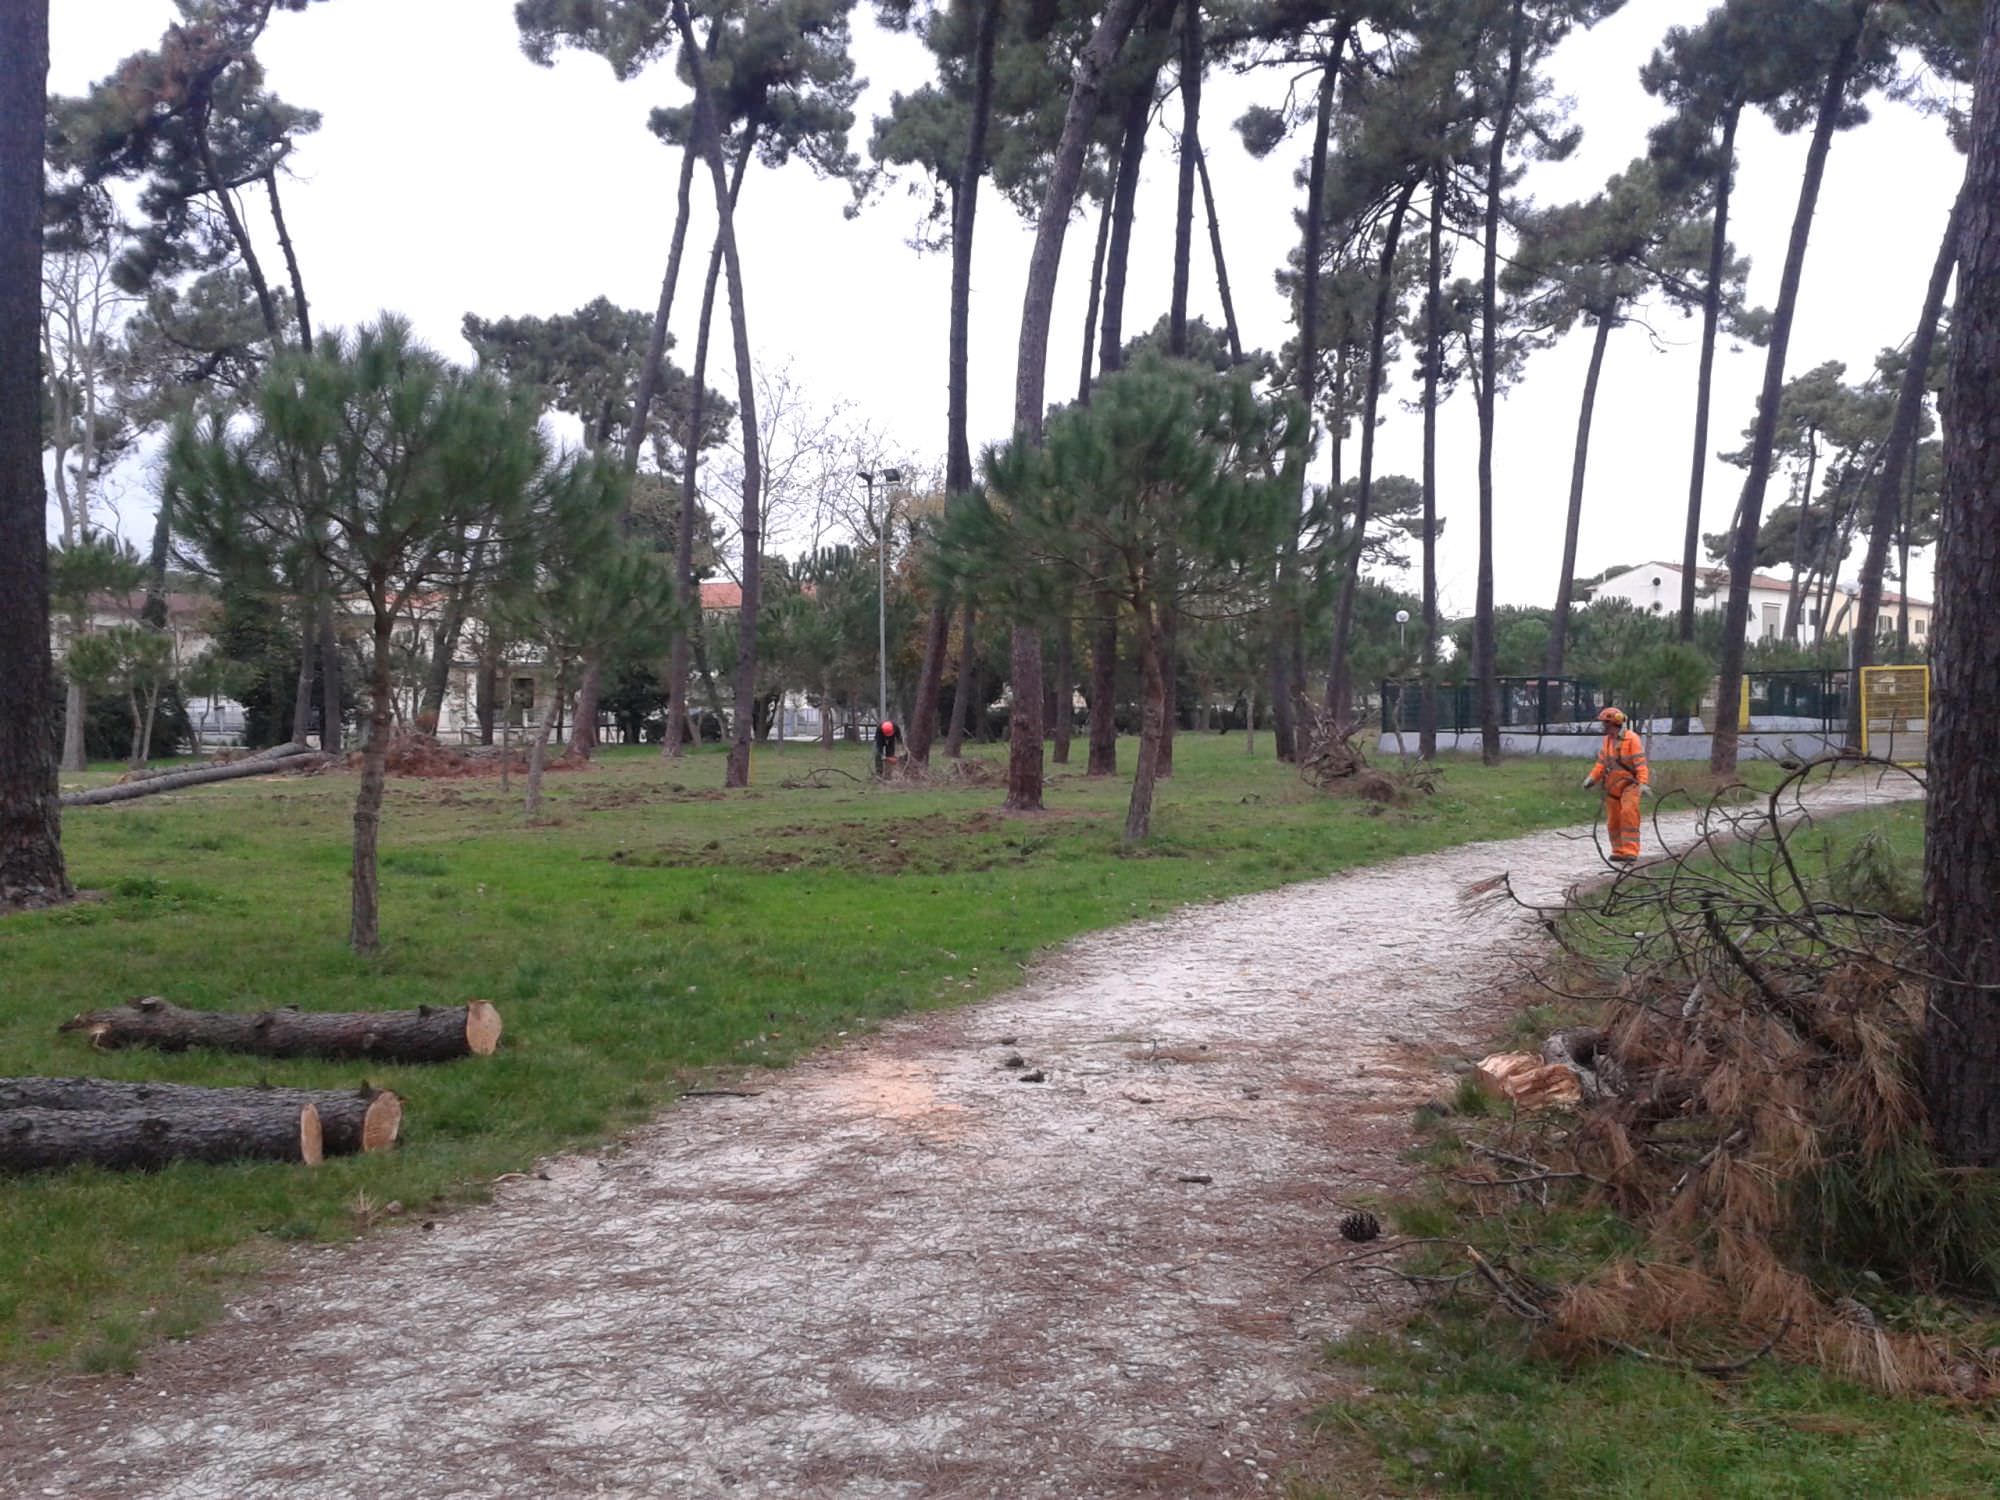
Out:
{"x": 1621, "y": 771}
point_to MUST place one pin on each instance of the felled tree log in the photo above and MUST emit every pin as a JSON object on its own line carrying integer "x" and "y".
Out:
{"x": 430, "y": 1033}
{"x": 37, "y": 1140}
{"x": 292, "y": 757}
{"x": 351, "y": 1120}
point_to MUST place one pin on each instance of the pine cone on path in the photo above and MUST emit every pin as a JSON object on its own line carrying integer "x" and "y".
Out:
{"x": 1360, "y": 1226}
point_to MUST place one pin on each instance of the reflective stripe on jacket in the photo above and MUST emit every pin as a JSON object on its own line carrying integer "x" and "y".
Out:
{"x": 1621, "y": 758}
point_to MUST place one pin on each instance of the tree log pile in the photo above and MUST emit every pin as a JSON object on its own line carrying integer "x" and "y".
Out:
{"x": 62, "y": 1122}
{"x": 430, "y": 1033}
{"x": 281, "y": 758}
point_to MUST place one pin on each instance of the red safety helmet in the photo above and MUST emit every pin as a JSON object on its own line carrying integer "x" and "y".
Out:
{"x": 887, "y": 727}
{"x": 1612, "y": 716}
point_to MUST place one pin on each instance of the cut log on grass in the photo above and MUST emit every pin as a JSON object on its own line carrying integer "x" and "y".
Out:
{"x": 350, "y": 1120}
{"x": 39, "y": 1140}
{"x": 265, "y": 763}
{"x": 430, "y": 1033}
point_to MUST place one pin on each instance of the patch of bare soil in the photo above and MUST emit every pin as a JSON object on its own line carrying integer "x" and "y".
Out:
{"x": 900, "y": 1269}
{"x": 936, "y": 844}
{"x": 422, "y": 756}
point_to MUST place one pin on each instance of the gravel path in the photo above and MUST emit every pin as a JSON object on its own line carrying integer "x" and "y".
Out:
{"x": 902, "y": 1269}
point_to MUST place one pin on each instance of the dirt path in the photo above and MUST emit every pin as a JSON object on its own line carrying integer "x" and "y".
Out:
{"x": 901, "y": 1270}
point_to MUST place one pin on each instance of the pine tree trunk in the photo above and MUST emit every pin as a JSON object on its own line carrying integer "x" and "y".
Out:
{"x": 214, "y": 184}
{"x": 1793, "y": 589}
{"x": 1903, "y": 562}
{"x": 1750, "y": 509}
{"x": 39, "y": 1140}
{"x": 1566, "y": 582}
{"x": 300, "y": 308}
{"x": 1485, "y": 650}
{"x": 437, "y": 679}
{"x": 364, "y": 931}
{"x": 429, "y": 1033}
{"x": 351, "y": 1120}
{"x": 1896, "y": 452}
{"x": 1096, "y": 300}
{"x": 486, "y": 694}
{"x": 737, "y": 773}
{"x": 1139, "y": 811}
{"x": 1427, "y": 708}
{"x": 964, "y": 698}
{"x": 329, "y": 677}
{"x": 1170, "y": 698}
{"x": 31, "y": 859}
{"x": 930, "y": 682}
{"x": 675, "y": 737}
{"x": 1339, "y": 681}
{"x": 1124, "y": 201}
{"x": 1065, "y": 693}
{"x": 1104, "y": 687}
{"x": 1962, "y": 825}
{"x": 538, "y": 751}
{"x": 958, "y": 442}
{"x": 1711, "y": 317}
{"x": 302, "y": 694}
{"x": 1284, "y": 732}
{"x": 1024, "y": 759}
{"x": 583, "y": 738}
{"x": 1250, "y": 718}
{"x": 74, "y": 757}
{"x": 1288, "y": 667}
{"x": 1024, "y": 723}
{"x": 690, "y": 469}
{"x": 152, "y": 699}
{"x": 1221, "y": 265}
{"x": 656, "y": 340}
{"x": 1190, "y": 79}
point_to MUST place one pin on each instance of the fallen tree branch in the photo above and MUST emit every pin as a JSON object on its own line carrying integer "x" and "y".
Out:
{"x": 430, "y": 1033}
{"x": 283, "y": 759}
{"x": 351, "y": 1120}
{"x": 1732, "y": 1367}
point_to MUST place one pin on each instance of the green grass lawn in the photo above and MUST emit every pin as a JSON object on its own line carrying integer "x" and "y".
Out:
{"x": 1459, "y": 1404}
{"x": 649, "y": 926}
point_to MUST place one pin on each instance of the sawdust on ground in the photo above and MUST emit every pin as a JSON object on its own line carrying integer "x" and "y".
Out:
{"x": 899, "y": 1269}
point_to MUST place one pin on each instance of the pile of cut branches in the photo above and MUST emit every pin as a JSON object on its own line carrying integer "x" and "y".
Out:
{"x": 1334, "y": 761}
{"x": 1754, "y": 1110}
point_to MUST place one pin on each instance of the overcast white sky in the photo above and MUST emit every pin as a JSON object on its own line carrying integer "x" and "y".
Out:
{"x": 450, "y": 175}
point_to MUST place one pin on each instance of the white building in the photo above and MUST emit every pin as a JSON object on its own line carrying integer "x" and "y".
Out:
{"x": 1655, "y": 588}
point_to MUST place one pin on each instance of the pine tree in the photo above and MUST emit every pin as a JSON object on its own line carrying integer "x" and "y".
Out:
{"x": 381, "y": 459}
{"x": 1024, "y": 755}
{"x": 1962, "y": 838}
{"x": 1817, "y": 68}
{"x": 31, "y": 857}
{"x": 1166, "y": 493}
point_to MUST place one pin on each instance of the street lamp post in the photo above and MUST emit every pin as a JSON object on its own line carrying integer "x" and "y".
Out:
{"x": 1402, "y": 625}
{"x": 888, "y": 477}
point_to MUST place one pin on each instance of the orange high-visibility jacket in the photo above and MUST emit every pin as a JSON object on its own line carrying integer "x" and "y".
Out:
{"x": 1621, "y": 760}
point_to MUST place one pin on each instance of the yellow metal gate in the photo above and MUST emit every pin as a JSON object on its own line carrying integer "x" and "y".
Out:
{"x": 1896, "y": 713}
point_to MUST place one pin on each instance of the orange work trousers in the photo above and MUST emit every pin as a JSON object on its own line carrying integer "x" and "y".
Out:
{"x": 1621, "y": 818}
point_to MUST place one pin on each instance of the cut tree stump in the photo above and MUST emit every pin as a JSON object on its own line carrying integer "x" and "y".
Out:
{"x": 293, "y": 757}
{"x": 430, "y": 1033}
{"x": 37, "y": 1140}
{"x": 351, "y": 1120}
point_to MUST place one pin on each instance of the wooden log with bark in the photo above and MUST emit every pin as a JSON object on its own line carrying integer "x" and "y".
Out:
{"x": 351, "y": 1120}
{"x": 37, "y": 1140}
{"x": 430, "y": 1033}
{"x": 284, "y": 758}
